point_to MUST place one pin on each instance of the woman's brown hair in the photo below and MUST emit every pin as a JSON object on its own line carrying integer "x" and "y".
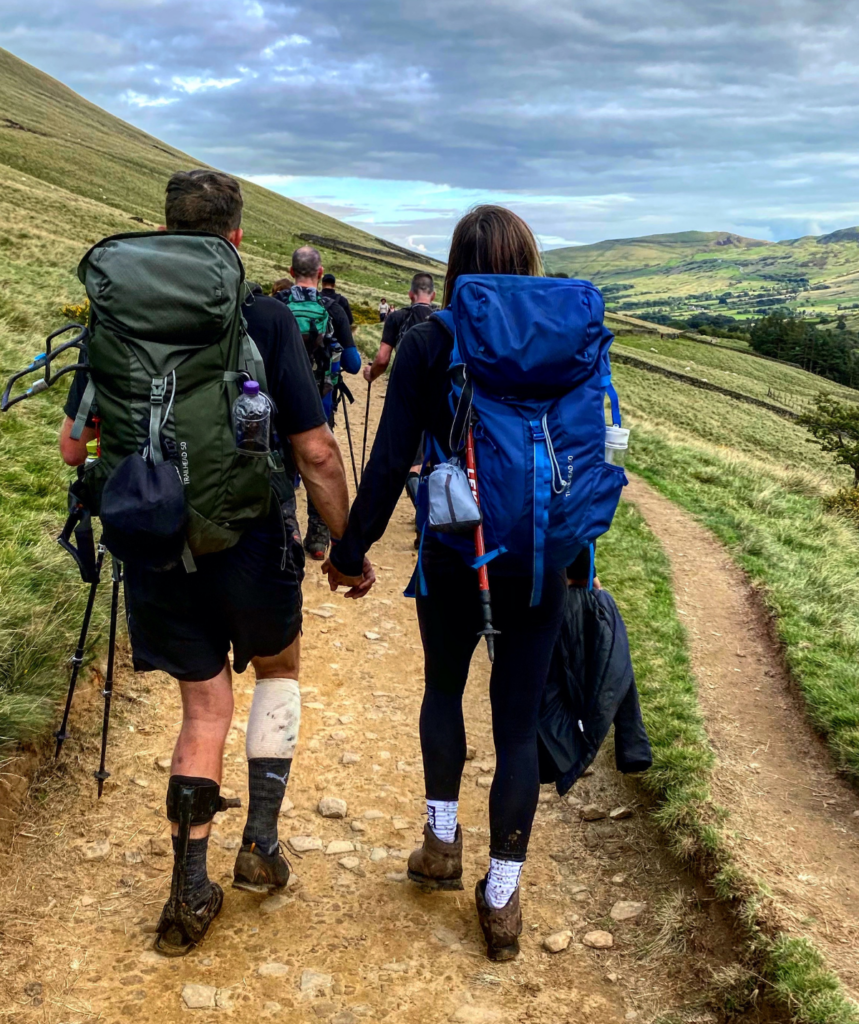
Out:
{"x": 491, "y": 240}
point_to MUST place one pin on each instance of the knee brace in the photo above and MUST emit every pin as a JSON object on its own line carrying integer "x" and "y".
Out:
{"x": 274, "y": 719}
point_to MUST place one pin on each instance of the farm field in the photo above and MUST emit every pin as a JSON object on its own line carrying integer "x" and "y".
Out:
{"x": 737, "y": 370}
{"x": 719, "y": 272}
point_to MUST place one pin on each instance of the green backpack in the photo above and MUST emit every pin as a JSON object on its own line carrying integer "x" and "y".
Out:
{"x": 167, "y": 353}
{"x": 313, "y": 319}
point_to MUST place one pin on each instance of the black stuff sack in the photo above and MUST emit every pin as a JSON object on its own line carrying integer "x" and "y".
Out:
{"x": 143, "y": 513}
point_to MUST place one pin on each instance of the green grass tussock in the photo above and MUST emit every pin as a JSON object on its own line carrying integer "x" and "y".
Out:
{"x": 635, "y": 570}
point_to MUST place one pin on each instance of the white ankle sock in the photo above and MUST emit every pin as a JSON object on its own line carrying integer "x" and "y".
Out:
{"x": 502, "y": 882}
{"x": 442, "y": 818}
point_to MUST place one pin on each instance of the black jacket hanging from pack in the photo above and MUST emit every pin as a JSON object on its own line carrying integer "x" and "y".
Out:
{"x": 591, "y": 686}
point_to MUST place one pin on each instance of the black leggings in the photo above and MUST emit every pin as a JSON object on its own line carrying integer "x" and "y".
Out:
{"x": 450, "y": 619}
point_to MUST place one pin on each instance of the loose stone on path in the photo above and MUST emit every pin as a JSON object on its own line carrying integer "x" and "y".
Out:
{"x": 98, "y": 850}
{"x": 199, "y": 997}
{"x": 626, "y": 910}
{"x": 599, "y": 940}
{"x": 312, "y": 982}
{"x": 590, "y": 812}
{"x": 339, "y": 846}
{"x": 557, "y": 942}
{"x": 332, "y": 807}
{"x": 305, "y": 844}
{"x": 272, "y": 970}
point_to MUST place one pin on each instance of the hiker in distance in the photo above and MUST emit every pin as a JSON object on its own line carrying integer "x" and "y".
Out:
{"x": 221, "y": 586}
{"x": 323, "y": 323}
{"x": 383, "y": 309}
{"x": 506, "y": 333}
{"x": 329, "y": 291}
{"x": 398, "y": 323}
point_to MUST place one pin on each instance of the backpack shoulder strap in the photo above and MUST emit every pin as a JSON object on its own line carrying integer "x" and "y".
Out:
{"x": 253, "y": 360}
{"x": 445, "y": 318}
{"x": 84, "y": 409}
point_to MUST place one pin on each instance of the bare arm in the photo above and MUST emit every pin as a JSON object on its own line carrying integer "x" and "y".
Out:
{"x": 380, "y": 363}
{"x": 74, "y": 453}
{"x": 318, "y": 460}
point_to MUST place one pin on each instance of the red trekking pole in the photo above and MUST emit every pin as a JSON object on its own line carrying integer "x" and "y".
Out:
{"x": 488, "y": 630}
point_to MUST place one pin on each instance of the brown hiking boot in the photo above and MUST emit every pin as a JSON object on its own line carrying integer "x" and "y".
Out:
{"x": 501, "y": 928}
{"x": 180, "y": 928}
{"x": 437, "y": 865}
{"x": 256, "y": 871}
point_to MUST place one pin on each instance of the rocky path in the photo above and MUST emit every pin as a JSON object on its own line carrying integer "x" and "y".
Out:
{"x": 795, "y": 823}
{"x": 82, "y": 882}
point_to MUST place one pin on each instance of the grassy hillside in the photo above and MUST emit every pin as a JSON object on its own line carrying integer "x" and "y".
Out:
{"x": 756, "y": 481}
{"x": 70, "y": 173}
{"x": 719, "y": 272}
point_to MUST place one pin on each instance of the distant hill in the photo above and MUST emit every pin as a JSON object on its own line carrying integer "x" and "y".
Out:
{"x": 677, "y": 275}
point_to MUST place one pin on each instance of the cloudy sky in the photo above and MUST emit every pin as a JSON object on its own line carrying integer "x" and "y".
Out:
{"x": 597, "y": 119}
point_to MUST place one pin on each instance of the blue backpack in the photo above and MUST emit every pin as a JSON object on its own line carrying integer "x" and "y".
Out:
{"x": 530, "y": 368}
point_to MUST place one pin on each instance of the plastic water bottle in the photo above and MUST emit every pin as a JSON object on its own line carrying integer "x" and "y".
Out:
{"x": 252, "y": 419}
{"x": 616, "y": 445}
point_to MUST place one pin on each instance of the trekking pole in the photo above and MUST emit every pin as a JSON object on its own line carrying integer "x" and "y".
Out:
{"x": 351, "y": 448}
{"x": 78, "y": 657}
{"x": 488, "y": 630}
{"x": 116, "y": 571}
{"x": 366, "y": 425}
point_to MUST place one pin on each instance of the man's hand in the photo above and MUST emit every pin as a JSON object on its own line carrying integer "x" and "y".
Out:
{"x": 359, "y": 586}
{"x": 368, "y": 373}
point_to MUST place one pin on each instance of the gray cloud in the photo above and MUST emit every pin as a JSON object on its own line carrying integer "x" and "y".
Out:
{"x": 708, "y": 115}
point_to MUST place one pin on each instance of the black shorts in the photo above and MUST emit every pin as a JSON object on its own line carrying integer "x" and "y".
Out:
{"x": 248, "y": 596}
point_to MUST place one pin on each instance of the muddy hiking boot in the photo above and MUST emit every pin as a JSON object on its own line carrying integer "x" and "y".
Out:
{"x": 501, "y": 928}
{"x": 317, "y": 539}
{"x": 180, "y": 928}
{"x": 256, "y": 871}
{"x": 437, "y": 865}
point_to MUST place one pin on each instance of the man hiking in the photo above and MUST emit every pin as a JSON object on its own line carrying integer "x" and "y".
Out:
{"x": 383, "y": 309}
{"x": 184, "y": 619}
{"x": 329, "y": 282}
{"x": 323, "y": 324}
{"x": 400, "y": 322}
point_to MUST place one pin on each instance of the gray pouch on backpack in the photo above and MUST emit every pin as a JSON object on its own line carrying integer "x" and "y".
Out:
{"x": 452, "y": 508}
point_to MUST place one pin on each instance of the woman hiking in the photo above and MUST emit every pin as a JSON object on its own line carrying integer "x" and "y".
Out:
{"x": 488, "y": 241}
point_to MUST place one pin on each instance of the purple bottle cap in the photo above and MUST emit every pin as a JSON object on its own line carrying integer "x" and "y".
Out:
{"x": 250, "y": 387}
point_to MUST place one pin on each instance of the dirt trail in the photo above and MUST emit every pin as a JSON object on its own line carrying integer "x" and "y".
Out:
{"x": 76, "y": 933}
{"x": 796, "y": 823}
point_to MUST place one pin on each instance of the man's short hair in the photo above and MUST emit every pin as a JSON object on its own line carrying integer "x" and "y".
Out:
{"x": 329, "y": 279}
{"x": 423, "y": 284}
{"x": 203, "y": 200}
{"x": 306, "y": 261}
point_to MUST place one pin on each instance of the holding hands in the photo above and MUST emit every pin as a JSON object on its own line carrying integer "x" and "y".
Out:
{"x": 359, "y": 586}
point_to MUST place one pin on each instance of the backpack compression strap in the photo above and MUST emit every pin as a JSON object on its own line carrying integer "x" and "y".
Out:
{"x": 608, "y": 388}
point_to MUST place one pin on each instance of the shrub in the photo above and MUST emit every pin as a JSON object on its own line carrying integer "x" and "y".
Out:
{"x": 77, "y": 312}
{"x": 845, "y": 502}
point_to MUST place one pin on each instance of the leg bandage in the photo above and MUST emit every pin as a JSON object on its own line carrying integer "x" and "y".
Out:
{"x": 274, "y": 719}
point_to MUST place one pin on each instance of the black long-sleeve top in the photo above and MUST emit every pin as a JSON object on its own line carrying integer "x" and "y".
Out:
{"x": 417, "y": 401}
